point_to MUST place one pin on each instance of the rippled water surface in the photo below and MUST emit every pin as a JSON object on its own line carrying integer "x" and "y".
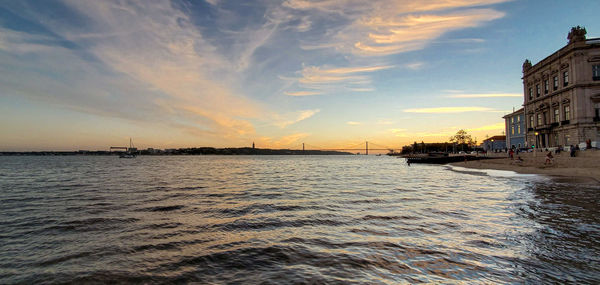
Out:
{"x": 289, "y": 219}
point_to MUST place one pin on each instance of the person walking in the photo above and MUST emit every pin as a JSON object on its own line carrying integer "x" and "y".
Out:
{"x": 549, "y": 158}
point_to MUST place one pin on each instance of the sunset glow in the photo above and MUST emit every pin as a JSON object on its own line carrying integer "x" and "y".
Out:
{"x": 169, "y": 74}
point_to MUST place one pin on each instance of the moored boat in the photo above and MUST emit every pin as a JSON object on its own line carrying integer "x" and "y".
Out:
{"x": 129, "y": 152}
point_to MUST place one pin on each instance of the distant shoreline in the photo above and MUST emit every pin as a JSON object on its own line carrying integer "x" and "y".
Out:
{"x": 181, "y": 151}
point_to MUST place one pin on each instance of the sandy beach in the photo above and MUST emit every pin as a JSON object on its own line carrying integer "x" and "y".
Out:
{"x": 586, "y": 165}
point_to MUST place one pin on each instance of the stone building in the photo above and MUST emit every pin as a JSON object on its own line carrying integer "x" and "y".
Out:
{"x": 515, "y": 129}
{"x": 562, "y": 94}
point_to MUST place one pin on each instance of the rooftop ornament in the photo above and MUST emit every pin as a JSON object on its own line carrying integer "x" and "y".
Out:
{"x": 526, "y": 65}
{"x": 577, "y": 34}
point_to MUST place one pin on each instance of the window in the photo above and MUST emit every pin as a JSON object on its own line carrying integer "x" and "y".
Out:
{"x": 555, "y": 83}
{"x": 565, "y": 78}
{"x": 567, "y": 113}
{"x": 531, "y": 121}
{"x": 597, "y": 110}
{"x": 537, "y": 90}
{"x": 546, "y": 86}
{"x": 512, "y": 130}
{"x": 518, "y": 118}
{"x": 512, "y": 120}
{"x": 518, "y": 129}
{"x": 539, "y": 119}
{"x": 556, "y": 115}
{"x": 596, "y": 72}
{"x": 530, "y": 94}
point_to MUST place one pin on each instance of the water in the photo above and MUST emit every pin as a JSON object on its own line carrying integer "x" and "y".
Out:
{"x": 289, "y": 219}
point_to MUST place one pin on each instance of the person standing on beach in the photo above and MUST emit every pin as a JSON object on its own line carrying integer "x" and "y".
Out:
{"x": 588, "y": 144}
{"x": 549, "y": 158}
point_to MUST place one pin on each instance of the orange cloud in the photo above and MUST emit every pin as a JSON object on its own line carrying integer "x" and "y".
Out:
{"x": 382, "y": 27}
{"x": 303, "y": 93}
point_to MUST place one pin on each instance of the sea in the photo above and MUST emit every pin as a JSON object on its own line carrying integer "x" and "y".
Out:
{"x": 290, "y": 220}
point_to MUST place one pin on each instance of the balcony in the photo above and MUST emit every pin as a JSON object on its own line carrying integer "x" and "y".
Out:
{"x": 565, "y": 122}
{"x": 554, "y": 125}
{"x": 596, "y": 119}
{"x": 529, "y": 129}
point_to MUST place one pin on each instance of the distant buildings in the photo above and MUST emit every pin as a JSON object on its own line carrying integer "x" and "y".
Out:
{"x": 494, "y": 143}
{"x": 515, "y": 129}
{"x": 561, "y": 96}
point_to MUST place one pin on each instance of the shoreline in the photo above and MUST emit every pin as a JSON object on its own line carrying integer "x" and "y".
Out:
{"x": 585, "y": 168}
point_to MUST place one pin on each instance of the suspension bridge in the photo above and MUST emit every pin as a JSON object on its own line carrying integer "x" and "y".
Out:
{"x": 362, "y": 148}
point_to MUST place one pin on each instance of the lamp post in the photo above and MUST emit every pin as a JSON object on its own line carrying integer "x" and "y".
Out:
{"x": 536, "y": 143}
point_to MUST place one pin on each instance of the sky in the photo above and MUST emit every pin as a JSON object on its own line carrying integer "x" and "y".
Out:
{"x": 77, "y": 74}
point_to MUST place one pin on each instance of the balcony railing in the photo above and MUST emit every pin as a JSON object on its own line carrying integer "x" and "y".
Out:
{"x": 565, "y": 122}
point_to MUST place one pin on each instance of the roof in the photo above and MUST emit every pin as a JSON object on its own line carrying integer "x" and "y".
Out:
{"x": 588, "y": 43}
{"x": 517, "y": 112}
{"x": 496, "y": 138}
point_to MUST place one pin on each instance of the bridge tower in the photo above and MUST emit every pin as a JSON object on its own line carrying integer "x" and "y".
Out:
{"x": 366, "y": 148}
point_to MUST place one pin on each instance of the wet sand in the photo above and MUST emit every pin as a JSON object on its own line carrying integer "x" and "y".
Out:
{"x": 585, "y": 166}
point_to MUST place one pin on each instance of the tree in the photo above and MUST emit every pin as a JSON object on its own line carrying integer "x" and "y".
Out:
{"x": 461, "y": 137}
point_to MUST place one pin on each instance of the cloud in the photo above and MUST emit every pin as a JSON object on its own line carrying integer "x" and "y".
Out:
{"x": 405, "y": 134}
{"x": 352, "y": 123}
{"x": 448, "y": 110}
{"x": 303, "y": 93}
{"x": 145, "y": 55}
{"x": 485, "y": 95}
{"x": 453, "y": 91}
{"x": 335, "y": 79}
{"x": 295, "y": 118}
{"x": 291, "y": 141}
{"x": 397, "y": 131}
{"x": 396, "y": 34}
{"x": 384, "y": 27}
{"x": 319, "y": 75}
{"x": 360, "y": 89}
{"x": 499, "y": 126}
{"x": 365, "y": 29}
{"x": 414, "y": 65}
{"x": 384, "y": 122}
{"x": 305, "y": 24}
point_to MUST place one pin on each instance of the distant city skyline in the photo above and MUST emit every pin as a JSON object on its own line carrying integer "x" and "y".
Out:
{"x": 174, "y": 74}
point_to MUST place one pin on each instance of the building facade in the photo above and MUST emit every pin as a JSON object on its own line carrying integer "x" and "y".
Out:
{"x": 495, "y": 143}
{"x": 515, "y": 129}
{"x": 562, "y": 94}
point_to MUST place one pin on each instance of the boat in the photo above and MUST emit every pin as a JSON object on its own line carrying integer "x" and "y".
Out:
{"x": 129, "y": 152}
